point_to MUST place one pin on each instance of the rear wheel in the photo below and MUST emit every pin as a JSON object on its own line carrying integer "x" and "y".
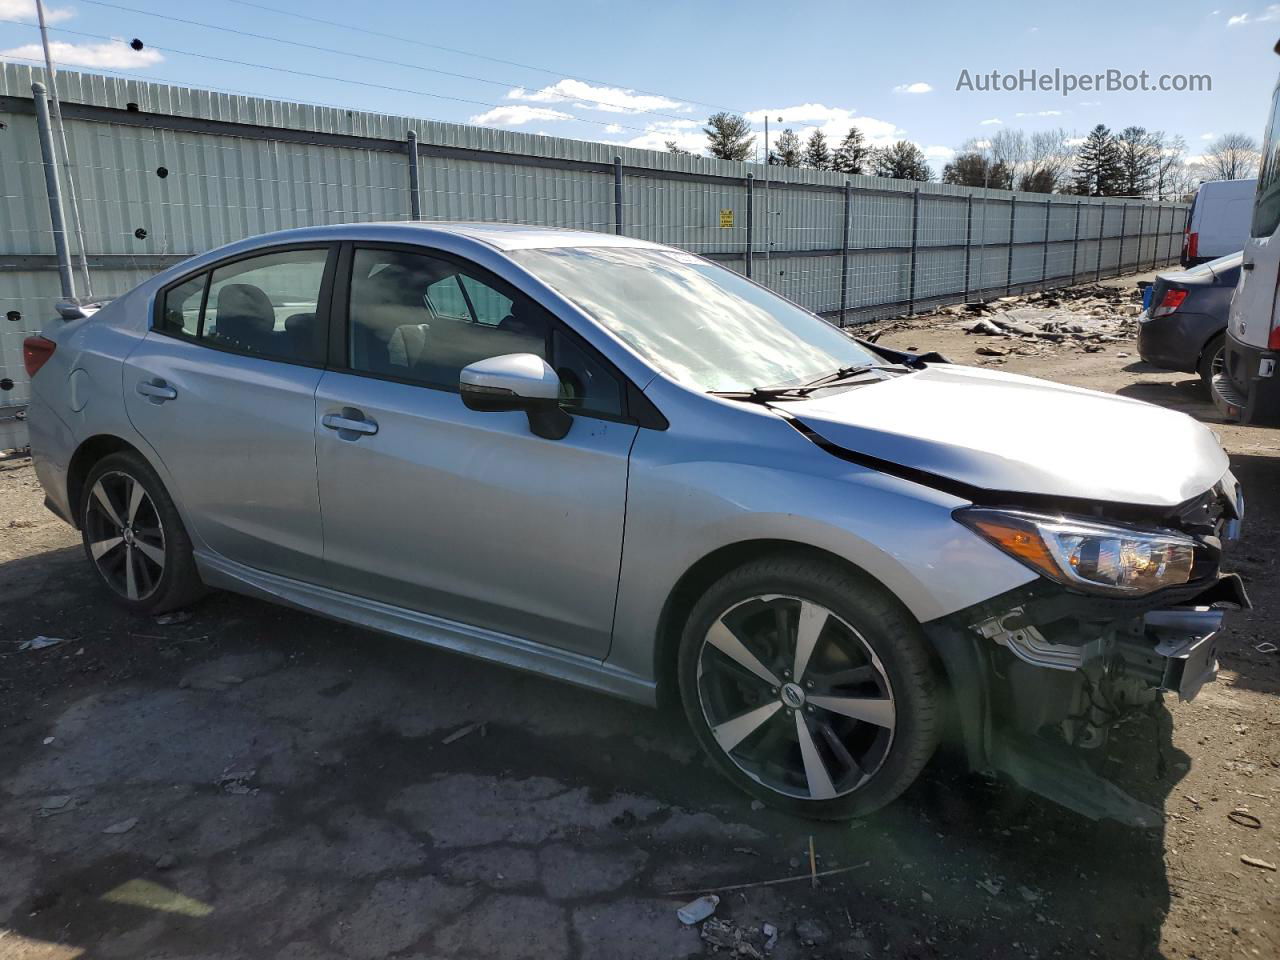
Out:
{"x": 1211, "y": 359}
{"x": 809, "y": 687}
{"x": 134, "y": 537}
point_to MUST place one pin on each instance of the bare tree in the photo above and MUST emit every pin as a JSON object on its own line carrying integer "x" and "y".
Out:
{"x": 1172, "y": 178}
{"x": 1139, "y": 156}
{"x": 1008, "y": 149}
{"x": 1233, "y": 156}
{"x": 1048, "y": 163}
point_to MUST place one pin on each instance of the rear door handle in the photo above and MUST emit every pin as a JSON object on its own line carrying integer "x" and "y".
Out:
{"x": 1248, "y": 264}
{"x": 156, "y": 390}
{"x": 349, "y": 421}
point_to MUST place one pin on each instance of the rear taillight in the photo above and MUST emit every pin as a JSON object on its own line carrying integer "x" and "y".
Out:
{"x": 1192, "y": 245}
{"x": 1171, "y": 301}
{"x": 1273, "y": 341}
{"x": 36, "y": 352}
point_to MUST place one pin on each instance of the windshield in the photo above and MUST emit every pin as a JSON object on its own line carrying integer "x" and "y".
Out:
{"x": 696, "y": 322}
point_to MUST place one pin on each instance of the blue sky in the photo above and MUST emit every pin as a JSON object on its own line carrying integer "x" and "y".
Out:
{"x": 640, "y": 74}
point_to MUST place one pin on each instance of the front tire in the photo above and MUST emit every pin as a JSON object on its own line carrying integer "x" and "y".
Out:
{"x": 134, "y": 538}
{"x": 809, "y": 687}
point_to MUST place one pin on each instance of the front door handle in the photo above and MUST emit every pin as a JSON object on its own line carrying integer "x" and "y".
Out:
{"x": 350, "y": 421}
{"x": 157, "y": 391}
{"x": 1248, "y": 264}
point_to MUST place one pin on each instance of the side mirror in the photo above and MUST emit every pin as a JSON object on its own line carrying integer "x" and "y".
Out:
{"x": 517, "y": 381}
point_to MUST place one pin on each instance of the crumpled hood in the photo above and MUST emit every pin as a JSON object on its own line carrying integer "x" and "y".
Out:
{"x": 1009, "y": 433}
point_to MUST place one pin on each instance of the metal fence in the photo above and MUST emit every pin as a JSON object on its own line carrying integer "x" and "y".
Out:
{"x": 163, "y": 172}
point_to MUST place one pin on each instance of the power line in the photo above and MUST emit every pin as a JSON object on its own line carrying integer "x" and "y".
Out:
{"x": 362, "y": 56}
{"x": 466, "y": 53}
{"x": 319, "y": 76}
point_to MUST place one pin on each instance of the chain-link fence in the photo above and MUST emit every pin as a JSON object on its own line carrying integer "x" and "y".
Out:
{"x": 165, "y": 172}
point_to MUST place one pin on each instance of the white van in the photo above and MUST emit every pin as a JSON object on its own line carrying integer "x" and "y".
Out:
{"x": 1248, "y": 389}
{"x": 1218, "y": 223}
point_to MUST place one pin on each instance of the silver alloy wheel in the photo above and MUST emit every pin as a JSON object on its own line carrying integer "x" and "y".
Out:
{"x": 795, "y": 697}
{"x": 125, "y": 535}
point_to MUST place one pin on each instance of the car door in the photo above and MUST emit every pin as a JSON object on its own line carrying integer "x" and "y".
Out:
{"x": 223, "y": 389}
{"x": 458, "y": 513}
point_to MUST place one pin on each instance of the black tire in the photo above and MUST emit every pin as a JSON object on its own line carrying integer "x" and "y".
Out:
{"x": 896, "y": 649}
{"x": 158, "y": 587}
{"x": 1211, "y": 359}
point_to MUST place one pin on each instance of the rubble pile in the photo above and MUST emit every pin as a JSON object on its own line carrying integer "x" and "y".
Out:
{"x": 1085, "y": 319}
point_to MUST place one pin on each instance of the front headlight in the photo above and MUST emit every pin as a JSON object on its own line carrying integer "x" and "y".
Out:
{"x": 1091, "y": 556}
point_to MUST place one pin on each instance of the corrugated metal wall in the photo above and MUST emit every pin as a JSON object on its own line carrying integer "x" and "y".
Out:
{"x": 165, "y": 172}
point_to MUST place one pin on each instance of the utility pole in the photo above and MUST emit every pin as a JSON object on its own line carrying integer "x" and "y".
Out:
{"x": 52, "y": 77}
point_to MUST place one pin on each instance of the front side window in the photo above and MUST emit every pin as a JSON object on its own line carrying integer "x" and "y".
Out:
{"x": 423, "y": 318}
{"x": 695, "y": 321}
{"x": 261, "y": 306}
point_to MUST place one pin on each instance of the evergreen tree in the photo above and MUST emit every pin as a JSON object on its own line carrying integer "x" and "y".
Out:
{"x": 786, "y": 150}
{"x": 679, "y": 151}
{"x": 816, "y": 153}
{"x": 1098, "y": 164}
{"x": 902, "y": 161}
{"x": 972, "y": 169}
{"x": 853, "y": 154}
{"x": 728, "y": 136}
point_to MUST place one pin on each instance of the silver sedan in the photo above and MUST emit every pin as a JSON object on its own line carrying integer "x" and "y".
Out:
{"x": 625, "y": 466}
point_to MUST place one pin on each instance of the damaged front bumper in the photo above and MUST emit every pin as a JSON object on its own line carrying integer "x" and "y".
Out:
{"x": 1041, "y": 676}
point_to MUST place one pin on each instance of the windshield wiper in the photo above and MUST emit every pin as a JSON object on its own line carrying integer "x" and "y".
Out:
{"x": 800, "y": 391}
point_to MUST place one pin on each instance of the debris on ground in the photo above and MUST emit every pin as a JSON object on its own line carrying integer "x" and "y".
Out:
{"x": 1244, "y": 818}
{"x": 1080, "y": 318}
{"x": 729, "y": 936}
{"x": 41, "y": 643}
{"x": 811, "y": 932}
{"x": 237, "y": 782}
{"x": 770, "y": 935}
{"x": 52, "y": 806}
{"x": 123, "y": 826}
{"x": 170, "y": 619}
{"x": 697, "y": 910}
{"x": 991, "y": 887}
{"x": 464, "y": 732}
{"x": 1260, "y": 864}
{"x": 166, "y": 861}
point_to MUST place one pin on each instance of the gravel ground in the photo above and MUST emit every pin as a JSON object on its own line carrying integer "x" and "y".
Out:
{"x": 256, "y": 782}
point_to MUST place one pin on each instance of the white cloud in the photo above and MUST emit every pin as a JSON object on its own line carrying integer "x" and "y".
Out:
{"x": 516, "y": 116}
{"x": 917, "y": 87}
{"x": 1041, "y": 113}
{"x": 26, "y": 9}
{"x": 592, "y": 97}
{"x": 1074, "y": 141}
{"x": 991, "y": 122}
{"x": 1090, "y": 103}
{"x": 938, "y": 154}
{"x": 834, "y": 122}
{"x": 686, "y": 134}
{"x": 1243, "y": 19}
{"x": 106, "y": 55}
{"x": 613, "y": 128}
{"x": 1208, "y": 136}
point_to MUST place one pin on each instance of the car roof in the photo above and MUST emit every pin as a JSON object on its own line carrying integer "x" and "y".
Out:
{"x": 500, "y": 236}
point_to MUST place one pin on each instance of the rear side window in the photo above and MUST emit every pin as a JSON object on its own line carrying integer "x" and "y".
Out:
{"x": 263, "y": 306}
{"x": 1266, "y": 208}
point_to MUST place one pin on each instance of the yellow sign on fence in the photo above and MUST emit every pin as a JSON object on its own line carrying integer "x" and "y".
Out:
{"x": 726, "y": 219}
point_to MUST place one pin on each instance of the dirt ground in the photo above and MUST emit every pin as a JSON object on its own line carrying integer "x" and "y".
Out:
{"x": 256, "y": 782}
